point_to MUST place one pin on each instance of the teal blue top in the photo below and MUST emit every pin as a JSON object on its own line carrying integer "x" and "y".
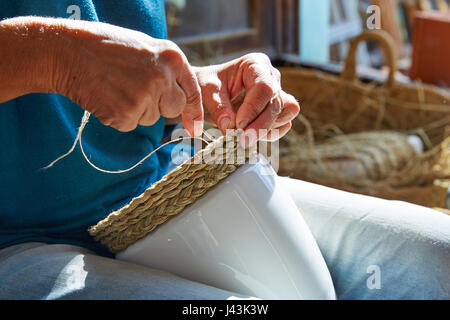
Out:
{"x": 58, "y": 205}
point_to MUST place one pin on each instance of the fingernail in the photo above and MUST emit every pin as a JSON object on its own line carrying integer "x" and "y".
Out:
{"x": 243, "y": 124}
{"x": 225, "y": 123}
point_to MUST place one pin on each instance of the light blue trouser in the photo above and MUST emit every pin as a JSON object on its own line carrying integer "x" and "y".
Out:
{"x": 374, "y": 249}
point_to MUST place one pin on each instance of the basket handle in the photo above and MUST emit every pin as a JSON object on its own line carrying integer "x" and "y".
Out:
{"x": 382, "y": 37}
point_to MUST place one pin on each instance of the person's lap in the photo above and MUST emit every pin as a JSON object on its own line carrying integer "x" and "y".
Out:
{"x": 374, "y": 249}
{"x": 41, "y": 271}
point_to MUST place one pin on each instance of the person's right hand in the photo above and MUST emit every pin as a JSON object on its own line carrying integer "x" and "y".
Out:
{"x": 124, "y": 77}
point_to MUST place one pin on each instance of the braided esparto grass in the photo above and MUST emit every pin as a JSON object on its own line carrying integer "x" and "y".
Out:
{"x": 169, "y": 196}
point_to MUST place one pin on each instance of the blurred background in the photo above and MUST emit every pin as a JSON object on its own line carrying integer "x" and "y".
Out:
{"x": 306, "y": 31}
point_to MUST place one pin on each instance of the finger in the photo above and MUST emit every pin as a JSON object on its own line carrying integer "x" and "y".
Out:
{"x": 289, "y": 111}
{"x": 259, "y": 128}
{"x": 172, "y": 102}
{"x": 258, "y": 96}
{"x": 104, "y": 119}
{"x": 265, "y": 121}
{"x": 278, "y": 133}
{"x": 277, "y": 74}
{"x": 149, "y": 117}
{"x": 123, "y": 116}
{"x": 124, "y": 124}
{"x": 219, "y": 107}
{"x": 151, "y": 113}
{"x": 192, "y": 115}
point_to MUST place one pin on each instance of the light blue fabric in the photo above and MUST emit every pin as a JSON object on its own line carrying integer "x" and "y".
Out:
{"x": 374, "y": 249}
{"x": 58, "y": 204}
{"x": 40, "y": 271}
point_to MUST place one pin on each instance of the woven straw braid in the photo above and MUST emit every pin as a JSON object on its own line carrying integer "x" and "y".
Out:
{"x": 167, "y": 197}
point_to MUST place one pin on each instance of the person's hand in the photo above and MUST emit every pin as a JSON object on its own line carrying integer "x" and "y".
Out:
{"x": 126, "y": 78}
{"x": 265, "y": 105}
{"x": 121, "y": 76}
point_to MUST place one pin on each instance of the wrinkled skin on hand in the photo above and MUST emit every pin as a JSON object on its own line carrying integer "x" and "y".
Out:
{"x": 265, "y": 105}
{"x": 126, "y": 78}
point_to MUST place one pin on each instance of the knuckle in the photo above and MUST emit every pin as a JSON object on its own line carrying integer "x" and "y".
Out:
{"x": 170, "y": 45}
{"x": 172, "y": 112}
{"x": 134, "y": 107}
{"x": 174, "y": 107}
{"x": 264, "y": 57}
{"x": 120, "y": 118}
{"x": 265, "y": 88}
{"x": 259, "y": 56}
{"x": 107, "y": 121}
{"x": 127, "y": 115}
{"x": 172, "y": 54}
{"x": 123, "y": 126}
{"x": 290, "y": 97}
{"x": 155, "y": 79}
{"x": 114, "y": 114}
{"x": 151, "y": 118}
{"x": 131, "y": 124}
{"x": 277, "y": 73}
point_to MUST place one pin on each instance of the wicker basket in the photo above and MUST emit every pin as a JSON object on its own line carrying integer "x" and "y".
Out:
{"x": 342, "y": 105}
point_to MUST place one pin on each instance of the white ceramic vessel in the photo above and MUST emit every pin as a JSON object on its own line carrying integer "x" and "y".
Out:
{"x": 245, "y": 235}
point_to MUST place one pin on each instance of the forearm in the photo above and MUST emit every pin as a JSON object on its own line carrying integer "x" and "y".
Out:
{"x": 30, "y": 51}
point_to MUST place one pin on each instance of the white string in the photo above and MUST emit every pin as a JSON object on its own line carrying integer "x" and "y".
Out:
{"x": 84, "y": 121}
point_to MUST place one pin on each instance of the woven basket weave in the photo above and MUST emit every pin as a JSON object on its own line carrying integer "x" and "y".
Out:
{"x": 170, "y": 195}
{"x": 342, "y": 106}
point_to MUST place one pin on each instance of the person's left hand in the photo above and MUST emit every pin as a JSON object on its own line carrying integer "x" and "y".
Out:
{"x": 265, "y": 105}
